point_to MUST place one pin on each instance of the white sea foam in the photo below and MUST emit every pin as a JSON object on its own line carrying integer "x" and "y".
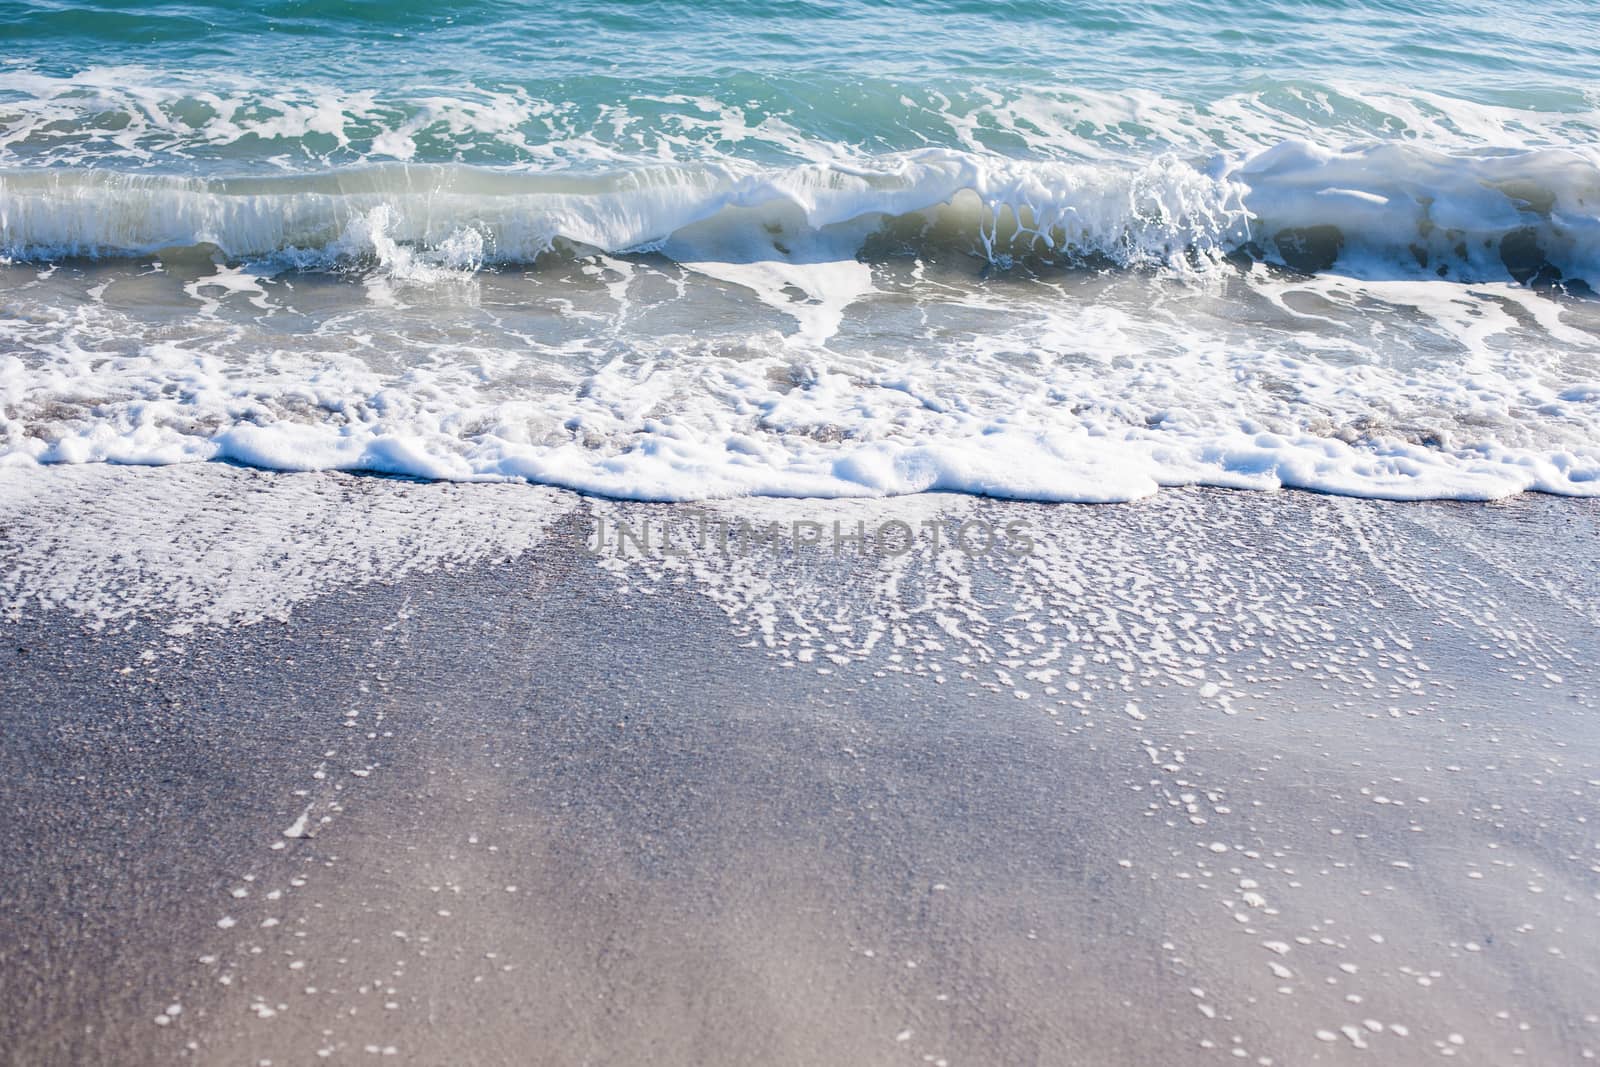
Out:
{"x": 219, "y": 548}
{"x": 631, "y": 381}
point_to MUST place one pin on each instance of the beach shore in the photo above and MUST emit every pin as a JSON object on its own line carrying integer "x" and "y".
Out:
{"x": 316, "y": 767}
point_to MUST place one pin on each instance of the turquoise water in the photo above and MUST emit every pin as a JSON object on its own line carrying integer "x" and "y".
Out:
{"x": 687, "y": 250}
{"x": 1168, "y": 46}
{"x": 181, "y": 85}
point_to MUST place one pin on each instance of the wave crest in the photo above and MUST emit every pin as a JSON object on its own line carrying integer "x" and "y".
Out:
{"x": 1533, "y": 215}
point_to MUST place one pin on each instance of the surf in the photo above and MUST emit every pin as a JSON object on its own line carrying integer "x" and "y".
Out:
{"x": 1532, "y": 216}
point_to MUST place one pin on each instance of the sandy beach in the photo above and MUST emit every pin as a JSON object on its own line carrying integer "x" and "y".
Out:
{"x": 317, "y": 768}
{"x": 773, "y": 534}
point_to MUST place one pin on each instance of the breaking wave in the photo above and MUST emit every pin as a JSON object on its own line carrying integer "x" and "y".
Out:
{"x": 1532, "y": 215}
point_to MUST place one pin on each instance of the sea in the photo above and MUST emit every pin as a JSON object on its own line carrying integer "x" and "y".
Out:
{"x": 663, "y": 250}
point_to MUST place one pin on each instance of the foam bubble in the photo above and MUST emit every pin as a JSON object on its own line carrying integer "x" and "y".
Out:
{"x": 630, "y": 377}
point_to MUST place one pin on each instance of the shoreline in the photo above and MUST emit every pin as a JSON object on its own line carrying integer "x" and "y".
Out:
{"x": 1103, "y": 802}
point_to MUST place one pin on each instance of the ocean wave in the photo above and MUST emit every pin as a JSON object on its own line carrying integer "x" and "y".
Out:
{"x": 1533, "y": 216}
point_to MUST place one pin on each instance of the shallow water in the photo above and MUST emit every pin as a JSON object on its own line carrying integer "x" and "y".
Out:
{"x": 822, "y": 249}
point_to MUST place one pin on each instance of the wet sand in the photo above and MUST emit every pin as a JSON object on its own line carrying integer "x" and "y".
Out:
{"x": 367, "y": 767}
